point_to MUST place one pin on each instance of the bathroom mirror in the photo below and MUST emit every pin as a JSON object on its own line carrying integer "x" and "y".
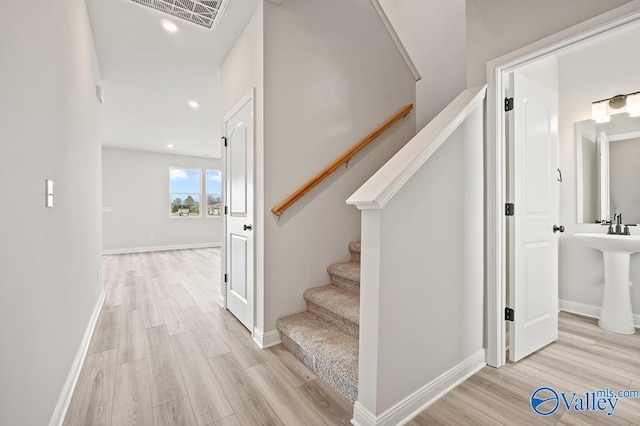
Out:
{"x": 608, "y": 169}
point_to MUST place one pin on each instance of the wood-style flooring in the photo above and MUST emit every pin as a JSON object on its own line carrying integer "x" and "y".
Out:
{"x": 165, "y": 353}
{"x": 585, "y": 358}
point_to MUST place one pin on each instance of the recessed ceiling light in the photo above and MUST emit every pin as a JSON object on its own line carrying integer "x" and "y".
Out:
{"x": 169, "y": 26}
{"x": 194, "y": 104}
{"x": 169, "y": 145}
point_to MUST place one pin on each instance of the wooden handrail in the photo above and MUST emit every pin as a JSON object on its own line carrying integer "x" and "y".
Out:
{"x": 314, "y": 181}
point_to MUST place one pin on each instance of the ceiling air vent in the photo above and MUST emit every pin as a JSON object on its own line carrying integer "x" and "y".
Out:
{"x": 206, "y": 13}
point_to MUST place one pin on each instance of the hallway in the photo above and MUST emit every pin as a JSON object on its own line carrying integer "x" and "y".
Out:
{"x": 165, "y": 353}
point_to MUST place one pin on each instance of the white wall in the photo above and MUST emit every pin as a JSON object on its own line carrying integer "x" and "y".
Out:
{"x": 49, "y": 257}
{"x": 135, "y": 186}
{"x": 422, "y": 287}
{"x": 242, "y": 71}
{"x": 434, "y": 34}
{"x": 332, "y": 75}
{"x": 597, "y": 71}
{"x": 497, "y": 27}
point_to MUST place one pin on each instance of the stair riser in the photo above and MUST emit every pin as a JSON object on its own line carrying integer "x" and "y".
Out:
{"x": 341, "y": 323}
{"x": 341, "y": 385}
{"x": 354, "y": 249}
{"x": 345, "y": 283}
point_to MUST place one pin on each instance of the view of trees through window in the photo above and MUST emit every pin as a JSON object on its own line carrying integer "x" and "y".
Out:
{"x": 185, "y": 188}
{"x": 214, "y": 193}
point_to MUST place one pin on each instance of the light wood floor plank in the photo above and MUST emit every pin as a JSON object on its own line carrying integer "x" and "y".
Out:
{"x": 132, "y": 397}
{"x": 174, "y": 413}
{"x": 238, "y": 339}
{"x": 206, "y": 302}
{"x": 165, "y": 378}
{"x": 132, "y": 340}
{"x": 569, "y": 371}
{"x": 172, "y": 314}
{"x": 150, "y": 312}
{"x": 247, "y": 402}
{"x": 453, "y": 411}
{"x": 211, "y": 342}
{"x": 325, "y": 403}
{"x": 288, "y": 366}
{"x": 573, "y": 418}
{"x": 282, "y": 397}
{"x": 93, "y": 399}
{"x": 207, "y": 398}
{"x": 182, "y": 297}
{"x": 228, "y": 421}
{"x": 497, "y": 403}
{"x": 107, "y": 331}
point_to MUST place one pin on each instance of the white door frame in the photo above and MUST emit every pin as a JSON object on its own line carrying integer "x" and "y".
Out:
{"x": 498, "y": 70}
{"x": 248, "y": 98}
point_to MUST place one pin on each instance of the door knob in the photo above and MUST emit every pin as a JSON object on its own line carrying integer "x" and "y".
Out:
{"x": 249, "y": 227}
{"x": 557, "y": 228}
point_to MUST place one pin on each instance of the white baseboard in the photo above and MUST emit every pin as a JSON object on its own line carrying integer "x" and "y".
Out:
{"x": 587, "y": 310}
{"x": 60, "y": 411}
{"x": 268, "y": 339}
{"x": 160, "y": 248}
{"x": 412, "y": 405}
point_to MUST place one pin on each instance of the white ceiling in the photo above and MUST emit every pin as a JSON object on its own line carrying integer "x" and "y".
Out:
{"x": 149, "y": 75}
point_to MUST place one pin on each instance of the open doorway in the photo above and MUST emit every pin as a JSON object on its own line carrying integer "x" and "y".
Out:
{"x": 574, "y": 262}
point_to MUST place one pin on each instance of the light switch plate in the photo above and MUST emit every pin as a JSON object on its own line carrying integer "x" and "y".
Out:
{"x": 49, "y": 193}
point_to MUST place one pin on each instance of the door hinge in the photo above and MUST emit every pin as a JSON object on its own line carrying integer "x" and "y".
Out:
{"x": 509, "y": 209}
{"x": 508, "y": 314}
{"x": 224, "y": 140}
{"x": 508, "y": 104}
{"x": 226, "y": 277}
{"x": 226, "y": 210}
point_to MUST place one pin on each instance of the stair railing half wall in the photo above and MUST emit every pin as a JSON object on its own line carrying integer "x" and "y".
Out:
{"x": 343, "y": 159}
{"x": 422, "y": 267}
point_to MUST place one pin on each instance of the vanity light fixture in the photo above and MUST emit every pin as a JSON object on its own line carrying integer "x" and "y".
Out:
{"x": 602, "y": 110}
{"x": 633, "y": 105}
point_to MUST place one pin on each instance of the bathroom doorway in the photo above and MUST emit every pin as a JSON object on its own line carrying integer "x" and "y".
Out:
{"x": 500, "y": 266}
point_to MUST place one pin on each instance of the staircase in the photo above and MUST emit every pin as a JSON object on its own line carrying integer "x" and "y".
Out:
{"x": 325, "y": 336}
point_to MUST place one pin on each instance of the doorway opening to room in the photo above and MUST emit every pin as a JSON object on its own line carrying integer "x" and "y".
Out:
{"x": 525, "y": 180}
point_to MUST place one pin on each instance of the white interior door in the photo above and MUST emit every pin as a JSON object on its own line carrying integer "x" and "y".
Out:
{"x": 605, "y": 197}
{"x": 239, "y": 245}
{"x": 533, "y": 263}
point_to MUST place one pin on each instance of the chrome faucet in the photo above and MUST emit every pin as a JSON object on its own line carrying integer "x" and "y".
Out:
{"x": 618, "y": 230}
{"x": 618, "y": 219}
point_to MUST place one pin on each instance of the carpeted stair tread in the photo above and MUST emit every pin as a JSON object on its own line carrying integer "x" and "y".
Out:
{"x": 319, "y": 337}
{"x": 329, "y": 352}
{"x": 338, "y": 306}
{"x": 354, "y": 249}
{"x": 325, "y": 336}
{"x": 348, "y": 270}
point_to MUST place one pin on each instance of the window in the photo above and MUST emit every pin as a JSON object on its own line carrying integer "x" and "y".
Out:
{"x": 185, "y": 191}
{"x": 214, "y": 193}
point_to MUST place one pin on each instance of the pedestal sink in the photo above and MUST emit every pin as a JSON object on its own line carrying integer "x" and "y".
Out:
{"x": 616, "y": 314}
